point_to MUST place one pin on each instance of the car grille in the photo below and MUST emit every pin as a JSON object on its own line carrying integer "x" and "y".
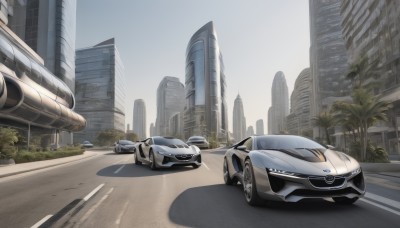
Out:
{"x": 321, "y": 182}
{"x": 329, "y": 193}
{"x": 184, "y": 156}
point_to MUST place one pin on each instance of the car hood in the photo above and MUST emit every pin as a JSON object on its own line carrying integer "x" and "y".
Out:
{"x": 128, "y": 145}
{"x": 170, "y": 150}
{"x": 332, "y": 163}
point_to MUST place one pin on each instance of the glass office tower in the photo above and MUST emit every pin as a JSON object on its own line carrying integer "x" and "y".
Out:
{"x": 139, "y": 118}
{"x": 100, "y": 89}
{"x": 239, "y": 121}
{"x": 205, "y": 85}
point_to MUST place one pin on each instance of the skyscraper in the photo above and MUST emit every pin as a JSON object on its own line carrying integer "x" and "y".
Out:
{"x": 49, "y": 28}
{"x": 205, "y": 85}
{"x": 250, "y": 131}
{"x": 170, "y": 100}
{"x": 328, "y": 58}
{"x": 279, "y": 105}
{"x": 152, "y": 130}
{"x": 239, "y": 121}
{"x": 260, "y": 127}
{"x": 299, "y": 119}
{"x": 139, "y": 118}
{"x": 100, "y": 89}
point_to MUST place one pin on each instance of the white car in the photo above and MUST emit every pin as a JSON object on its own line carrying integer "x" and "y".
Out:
{"x": 164, "y": 152}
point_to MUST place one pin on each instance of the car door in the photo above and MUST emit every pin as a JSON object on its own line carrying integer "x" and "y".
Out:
{"x": 146, "y": 147}
{"x": 244, "y": 148}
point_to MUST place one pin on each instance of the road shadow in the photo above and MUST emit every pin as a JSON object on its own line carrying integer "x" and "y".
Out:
{"x": 115, "y": 154}
{"x": 225, "y": 206}
{"x": 133, "y": 170}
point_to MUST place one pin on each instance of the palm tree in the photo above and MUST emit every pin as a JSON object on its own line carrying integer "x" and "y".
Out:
{"x": 363, "y": 112}
{"x": 325, "y": 120}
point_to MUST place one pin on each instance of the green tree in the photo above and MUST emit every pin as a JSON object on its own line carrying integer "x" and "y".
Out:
{"x": 109, "y": 136}
{"x": 364, "y": 111}
{"x": 8, "y": 137}
{"x": 132, "y": 137}
{"x": 325, "y": 120}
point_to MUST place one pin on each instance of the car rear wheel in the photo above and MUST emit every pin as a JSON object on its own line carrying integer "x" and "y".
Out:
{"x": 249, "y": 184}
{"x": 137, "y": 162}
{"x": 227, "y": 179}
{"x": 152, "y": 161}
{"x": 344, "y": 200}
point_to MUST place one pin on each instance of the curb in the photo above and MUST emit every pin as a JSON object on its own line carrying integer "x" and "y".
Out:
{"x": 43, "y": 167}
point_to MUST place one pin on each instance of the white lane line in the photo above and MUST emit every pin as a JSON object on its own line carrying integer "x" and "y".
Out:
{"x": 120, "y": 168}
{"x": 43, "y": 220}
{"x": 381, "y": 206}
{"x": 94, "y": 207}
{"x": 93, "y": 192}
{"x": 383, "y": 200}
{"x": 118, "y": 221}
{"x": 205, "y": 166}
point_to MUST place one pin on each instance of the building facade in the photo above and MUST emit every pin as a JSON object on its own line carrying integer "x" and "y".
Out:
{"x": 139, "y": 119}
{"x": 100, "y": 89}
{"x": 328, "y": 58}
{"x": 260, "y": 127}
{"x": 279, "y": 105}
{"x": 299, "y": 119}
{"x": 238, "y": 120}
{"x": 49, "y": 28}
{"x": 170, "y": 100}
{"x": 371, "y": 31}
{"x": 205, "y": 85}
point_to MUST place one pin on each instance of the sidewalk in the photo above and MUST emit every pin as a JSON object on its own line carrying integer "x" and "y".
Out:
{"x": 9, "y": 170}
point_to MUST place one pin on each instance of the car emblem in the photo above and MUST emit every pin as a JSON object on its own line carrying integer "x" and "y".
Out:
{"x": 329, "y": 179}
{"x": 327, "y": 170}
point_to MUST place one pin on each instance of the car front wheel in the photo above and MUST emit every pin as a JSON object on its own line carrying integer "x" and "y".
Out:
{"x": 152, "y": 161}
{"x": 249, "y": 184}
{"x": 227, "y": 179}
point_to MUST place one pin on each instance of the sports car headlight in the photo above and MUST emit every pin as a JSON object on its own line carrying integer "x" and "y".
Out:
{"x": 356, "y": 171}
{"x": 164, "y": 153}
{"x": 284, "y": 173}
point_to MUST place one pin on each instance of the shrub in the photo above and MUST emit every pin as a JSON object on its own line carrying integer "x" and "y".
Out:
{"x": 374, "y": 154}
{"x": 8, "y": 137}
{"x": 25, "y": 156}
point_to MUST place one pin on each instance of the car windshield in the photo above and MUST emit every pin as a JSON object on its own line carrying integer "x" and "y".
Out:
{"x": 198, "y": 138}
{"x": 126, "y": 142}
{"x": 163, "y": 141}
{"x": 86, "y": 142}
{"x": 286, "y": 142}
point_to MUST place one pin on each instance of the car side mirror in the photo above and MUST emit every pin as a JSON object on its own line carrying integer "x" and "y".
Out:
{"x": 330, "y": 147}
{"x": 242, "y": 147}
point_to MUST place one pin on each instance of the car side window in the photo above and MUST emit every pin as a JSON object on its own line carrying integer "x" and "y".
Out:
{"x": 249, "y": 144}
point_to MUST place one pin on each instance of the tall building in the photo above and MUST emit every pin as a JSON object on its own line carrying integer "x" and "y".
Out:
{"x": 205, "y": 85}
{"x": 250, "y": 131}
{"x": 299, "y": 119}
{"x": 152, "y": 130}
{"x": 49, "y": 28}
{"x": 328, "y": 58}
{"x": 279, "y": 105}
{"x": 170, "y": 100}
{"x": 100, "y": 89}
{"x": 260, "y": 127}
{"x": 30, "y": 95}
{"x": 239, "y": 121}
{"x": 371, "y": 31}
{"x": 139, "y": 118}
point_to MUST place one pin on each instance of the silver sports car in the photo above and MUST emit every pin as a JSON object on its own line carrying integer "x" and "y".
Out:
{"x": 290, "y": 168}
{"x": 164, "y": 152}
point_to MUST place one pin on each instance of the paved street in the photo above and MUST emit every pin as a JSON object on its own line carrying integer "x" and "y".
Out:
{"x": 108, "y": 190}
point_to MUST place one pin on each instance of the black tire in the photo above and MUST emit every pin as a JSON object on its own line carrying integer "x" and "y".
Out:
{"x": 344, "y": 200}
{"x": 249, "y": 185}
{"x": 153, "y": 165}
{"x": 195, "y": 166}
{"x": 227, "y": 179}
{"x": 137, "y": 162}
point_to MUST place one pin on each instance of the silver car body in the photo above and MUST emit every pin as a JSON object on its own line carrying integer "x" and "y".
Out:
{"x": 282, "y": 175}
{"x": 198, "y": 141}
{"x": 167, "y": 155}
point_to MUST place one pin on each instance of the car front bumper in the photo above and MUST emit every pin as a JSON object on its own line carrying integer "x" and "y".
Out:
{"x": 166, "y": 161}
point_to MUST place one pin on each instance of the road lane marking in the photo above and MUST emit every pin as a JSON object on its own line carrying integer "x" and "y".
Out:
{"x": 120, "y": 168}
{"x": 43, "y": 220}
{"x": 383, "y": 200}
{"x": 206, "y": 166}
{"x": 381, "y": 206}
{"x": 94, "y": 207}
{"x": 93, "y": 192}
{"x": 118, "y": 221}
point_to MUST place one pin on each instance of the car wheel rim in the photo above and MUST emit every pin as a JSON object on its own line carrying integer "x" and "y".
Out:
{"x": 151, "y": 160}
{"x": 247, "y": 183}
{"x": 226, "y": 173}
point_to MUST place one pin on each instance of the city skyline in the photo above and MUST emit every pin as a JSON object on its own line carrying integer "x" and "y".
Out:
{"x": 253, "y": 46}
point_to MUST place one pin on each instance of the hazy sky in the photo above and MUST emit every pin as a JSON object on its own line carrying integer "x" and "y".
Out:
{"x": 257, "y": 38}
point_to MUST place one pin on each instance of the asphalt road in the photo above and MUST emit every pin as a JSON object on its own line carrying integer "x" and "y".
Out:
{"x": 108, "y": 190}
